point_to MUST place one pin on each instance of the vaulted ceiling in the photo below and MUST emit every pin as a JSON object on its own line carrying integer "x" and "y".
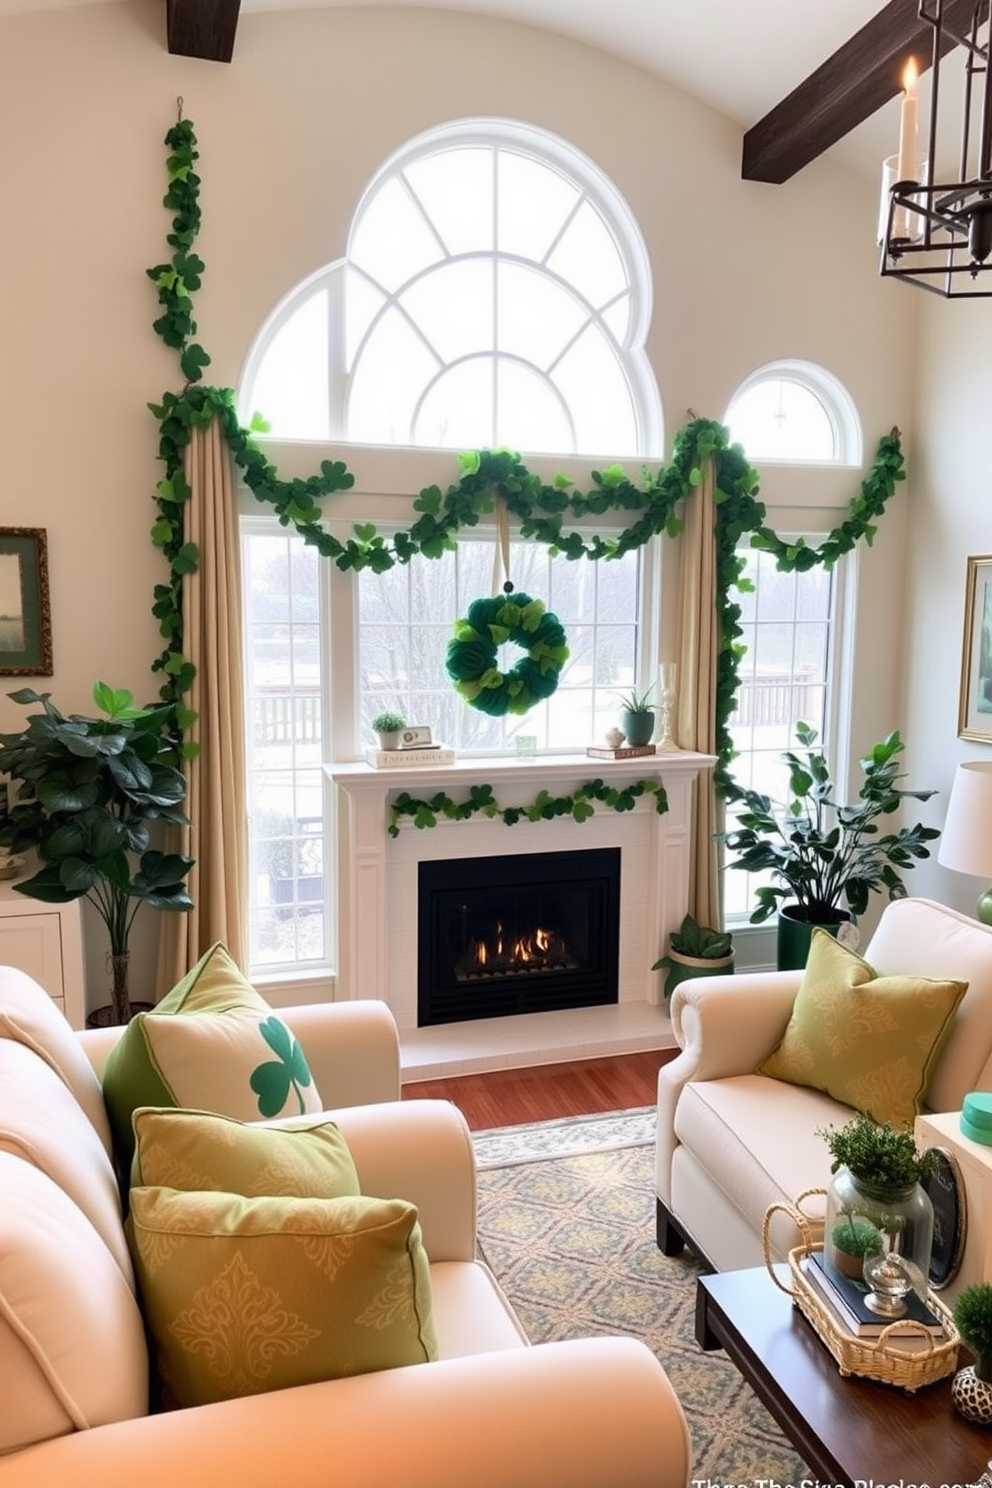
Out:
{"x": 801, "y": 76}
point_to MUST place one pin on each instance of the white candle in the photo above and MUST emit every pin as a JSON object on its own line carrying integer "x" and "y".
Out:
{"x": 908, "y": 124}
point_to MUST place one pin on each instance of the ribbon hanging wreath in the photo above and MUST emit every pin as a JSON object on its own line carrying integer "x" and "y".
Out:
{"x": 472, "y": 654}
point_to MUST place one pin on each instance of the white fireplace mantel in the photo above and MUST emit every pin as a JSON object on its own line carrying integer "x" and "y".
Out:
{"x": 377, "y": 874}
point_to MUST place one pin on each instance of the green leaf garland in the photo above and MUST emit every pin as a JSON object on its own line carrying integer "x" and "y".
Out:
{"x": 542, "y": 510}
{"x": 579, "y": 805}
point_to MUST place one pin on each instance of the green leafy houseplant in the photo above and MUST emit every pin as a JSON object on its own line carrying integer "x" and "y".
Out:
{"x": 87, "y": 788}
{"x": 695, "y": 950}
{"x": 857, "y": 1238}
{"x": 827, "y": 857}
{"x": 878, "y": 1155}
{"x": 973, "y": 1319}
{"x": 388, "y": 723}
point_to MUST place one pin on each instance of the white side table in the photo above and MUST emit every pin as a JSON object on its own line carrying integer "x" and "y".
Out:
{"x": 975, "y": 1163}
{"x": 45, "y": 940}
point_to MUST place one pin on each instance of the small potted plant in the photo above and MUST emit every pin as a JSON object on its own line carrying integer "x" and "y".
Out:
{"x": 971, "y": 1388}
{"x": 877, "y": 1183}
{"x": 389, "y": 726}
{"x": 852, "y": 1240}
{"x": 695, "y": 950}
{"x": 825, "y": 859}
{"x": 637, "y": 716}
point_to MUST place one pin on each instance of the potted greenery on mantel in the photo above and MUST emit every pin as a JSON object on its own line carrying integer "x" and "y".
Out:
{"x": 827, "y": 859}
{"x": 87, "y": 788}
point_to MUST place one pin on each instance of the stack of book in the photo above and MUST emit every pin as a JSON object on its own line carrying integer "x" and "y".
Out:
{"x": 401, "y": 759}
{"x": 846, "y": 1299}
{"x": 625, "y": 751}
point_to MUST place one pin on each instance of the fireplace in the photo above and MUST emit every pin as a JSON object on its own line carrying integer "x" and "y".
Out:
{"x": 519, "y": 933}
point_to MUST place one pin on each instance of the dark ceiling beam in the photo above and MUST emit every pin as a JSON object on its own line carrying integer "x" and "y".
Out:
{"x": 848, "y": 88}
{"x": 202, "y": 28}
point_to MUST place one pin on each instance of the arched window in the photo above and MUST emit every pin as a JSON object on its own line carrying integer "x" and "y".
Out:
{"x": 795, "y": 411}
{"x": 496, "y": 291}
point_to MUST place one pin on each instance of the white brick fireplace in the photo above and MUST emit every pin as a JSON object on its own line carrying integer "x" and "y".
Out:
{"x": 377, "y": 874}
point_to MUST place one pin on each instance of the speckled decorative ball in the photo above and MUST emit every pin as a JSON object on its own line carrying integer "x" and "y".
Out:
{"x": 972, "y": 1396}
{"x": 615, "y": 738}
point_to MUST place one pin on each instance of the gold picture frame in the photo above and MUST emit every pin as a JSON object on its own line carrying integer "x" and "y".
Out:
{"x": 25, "y": 607}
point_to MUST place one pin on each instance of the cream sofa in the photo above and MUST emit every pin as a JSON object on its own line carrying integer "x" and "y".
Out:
{"x": 730, "y": 1142}
{"x": 73, "y": 1361}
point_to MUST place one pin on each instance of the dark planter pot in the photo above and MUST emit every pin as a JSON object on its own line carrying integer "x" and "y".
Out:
{"x": 695, "y": 966}
{"x": 638, "y": 727}
{"x": 104, "y": 1017}
{"x": 795, "y": 932}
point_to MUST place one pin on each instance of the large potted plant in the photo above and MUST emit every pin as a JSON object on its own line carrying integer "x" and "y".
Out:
{"x": 86, "y": 790}
{"x": 825, "y": 859}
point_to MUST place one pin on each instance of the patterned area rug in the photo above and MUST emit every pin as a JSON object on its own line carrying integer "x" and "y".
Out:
{"x": 571, "y": 1239}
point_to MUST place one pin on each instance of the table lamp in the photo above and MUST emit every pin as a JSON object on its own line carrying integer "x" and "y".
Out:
{"x": 966, "y": 841}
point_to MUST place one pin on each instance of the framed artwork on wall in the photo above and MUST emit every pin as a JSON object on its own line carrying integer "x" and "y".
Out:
{"x": 25, "y": 609}
{"x": 975, "y": 703}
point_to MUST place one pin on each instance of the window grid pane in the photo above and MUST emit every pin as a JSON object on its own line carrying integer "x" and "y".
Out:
{"x": 289, "y": 888}
{"x": 784, "y": 679}
{"x": 403, "y": 642}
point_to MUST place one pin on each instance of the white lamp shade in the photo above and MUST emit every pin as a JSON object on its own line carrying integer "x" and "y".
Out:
{"x": 966, "y": 841}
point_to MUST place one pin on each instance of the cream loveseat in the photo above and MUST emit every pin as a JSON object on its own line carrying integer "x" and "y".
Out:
{"x": 731, "y": 1142}
{"x": 73, "y": 1362}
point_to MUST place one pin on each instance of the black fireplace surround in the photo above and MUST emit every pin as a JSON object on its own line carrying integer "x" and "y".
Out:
{"x": 525, "y": 933}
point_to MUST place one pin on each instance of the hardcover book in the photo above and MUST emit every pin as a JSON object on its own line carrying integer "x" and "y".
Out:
{"x": 626, "y": 751}
{"x": 402, "y": 759}
{"x": 847, "y": 1299}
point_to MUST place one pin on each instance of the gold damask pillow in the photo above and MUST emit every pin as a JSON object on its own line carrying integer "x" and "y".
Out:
{"x": 870, "y": 1041}
{"x": 198, "y": 1150}
{"x": 243, "y": 1295}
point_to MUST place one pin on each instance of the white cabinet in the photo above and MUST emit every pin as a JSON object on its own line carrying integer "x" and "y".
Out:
{"x": 45, "y": 940}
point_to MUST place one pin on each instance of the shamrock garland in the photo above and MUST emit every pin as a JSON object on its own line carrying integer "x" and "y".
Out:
{"x": 545, "y": 807}
{"x": 491, "y": 623}
{"x": 540, "y": 508}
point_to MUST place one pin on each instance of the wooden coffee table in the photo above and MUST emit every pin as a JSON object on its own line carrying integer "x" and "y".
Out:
{"x": 850, "y": 1430}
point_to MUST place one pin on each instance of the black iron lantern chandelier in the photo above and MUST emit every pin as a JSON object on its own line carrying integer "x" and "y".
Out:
{"x": 938, "y": 234}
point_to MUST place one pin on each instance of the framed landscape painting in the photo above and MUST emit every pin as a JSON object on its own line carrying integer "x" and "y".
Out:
{"x": 25, "y": 610}
{"x": 975, "y": 706}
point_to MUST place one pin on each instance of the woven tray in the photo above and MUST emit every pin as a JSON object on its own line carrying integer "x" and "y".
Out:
{"x": 878, "y": 1358}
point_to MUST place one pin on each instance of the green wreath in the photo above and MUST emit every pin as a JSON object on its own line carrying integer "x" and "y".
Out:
{"x": 471, "y": 660}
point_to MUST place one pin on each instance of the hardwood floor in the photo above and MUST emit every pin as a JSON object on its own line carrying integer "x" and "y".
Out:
{"x": 542, "y": 1092}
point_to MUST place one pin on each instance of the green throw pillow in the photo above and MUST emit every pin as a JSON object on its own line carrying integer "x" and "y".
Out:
{"x": 870, "y": 1041}
{"x": 213, "y": 1044}
{"x": 197, "y": 1150}
{"x": 246, "y": 1295}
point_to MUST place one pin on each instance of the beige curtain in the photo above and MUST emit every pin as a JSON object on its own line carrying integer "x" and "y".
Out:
{"x": 696, "y": 710}
{"x": 217, "y": 836}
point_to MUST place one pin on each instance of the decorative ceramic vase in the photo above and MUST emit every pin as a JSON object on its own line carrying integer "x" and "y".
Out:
{"x": 864, "y": 1220}
{"x": 638, "y": 727}
{"x": 972, "y": 1395}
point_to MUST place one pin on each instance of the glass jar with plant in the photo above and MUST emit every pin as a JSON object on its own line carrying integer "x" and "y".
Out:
{"x": 389, "y": 725}
{"x": 877, "y": 1187}
{"x": 87, "y": 790}
{"x": 695, "y": 950}
{"x": 971, "y": 1388}
{"x": 637, "y": 716}
{"x": 825, "y": 859}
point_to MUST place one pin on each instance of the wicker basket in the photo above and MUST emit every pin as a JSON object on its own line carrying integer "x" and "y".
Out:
{"x": 878, "y": 1358}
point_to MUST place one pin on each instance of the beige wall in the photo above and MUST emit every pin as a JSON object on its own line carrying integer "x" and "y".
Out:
{"x": 289, "y": 135}
{"x": 951, "y": 519}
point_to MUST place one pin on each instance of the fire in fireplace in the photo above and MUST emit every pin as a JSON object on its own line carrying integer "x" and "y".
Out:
{"x": 517, "y": 934}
